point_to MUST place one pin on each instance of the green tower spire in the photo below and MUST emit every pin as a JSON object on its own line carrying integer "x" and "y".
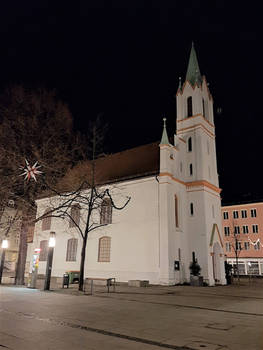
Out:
{"x": 193, "y": 74}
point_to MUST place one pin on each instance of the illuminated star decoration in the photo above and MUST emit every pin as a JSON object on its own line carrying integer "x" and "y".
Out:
{"x": 30, "y": 172}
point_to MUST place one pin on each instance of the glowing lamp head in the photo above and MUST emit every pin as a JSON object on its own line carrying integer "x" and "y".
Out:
{"x": 52, "y": 240}
{"x": 4, "y": 243}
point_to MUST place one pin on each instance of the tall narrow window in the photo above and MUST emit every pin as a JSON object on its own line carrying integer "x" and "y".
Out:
{"x": 253, "y": 213}
{"x": 225, "y": 215}
{"x": 235, "y": 214}
{"x": 43, "y": 250}
{"x": 213, "y": 211}
{"x": 72, "y": 249}
{"x": 245, "y": 229}
{"x": 189, "y": 107}
{"x": 191, "y": 209}
{"x": 255, "y": 228}
{"x": 236, "y": 230}
{"x": 176, "y": 210}
{"x": 243, "y": 213}
{"x": 46, "y": 222}
{"x": 228, "y": 247}
{"x": 106, "y": 212}
{"x": 181, "y": 167}
{"x": 74, "y": 216}
{"x": 104, "y": 249}
{"x": 246, "y": 245}
{"x": 191, "y": 169}
{"x": 227, "y": 230}
{"x": 190, "y": 144}
{"x": 203, "y": 102}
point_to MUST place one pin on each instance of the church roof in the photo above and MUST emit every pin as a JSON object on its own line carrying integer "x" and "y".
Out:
{"x": 193, "y": 74}
{"x": 132, "y": 163}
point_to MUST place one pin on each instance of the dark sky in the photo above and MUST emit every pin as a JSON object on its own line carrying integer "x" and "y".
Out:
{"x": 123, "y": 58}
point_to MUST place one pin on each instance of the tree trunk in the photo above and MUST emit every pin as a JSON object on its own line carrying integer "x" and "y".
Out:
{"x": 21, "y": 262}
{"x": 82, "y": 262}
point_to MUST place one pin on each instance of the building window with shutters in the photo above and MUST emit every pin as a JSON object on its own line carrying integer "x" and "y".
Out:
{"x": 246, "y": 245}
{"x": 106, "y": 212}
{"x": 228, "y": 247}
{"x": 46, "y": 221}
{"x": 227, "y": 231}
{"x": 104, "y": 249}
{"x": 189, "y": 107}
{"x": 253, "y": 213}
{"x": 74, "y": 216}
{"x": 243, "y": 214}
{"x": 236, "y": 230}
{"x": 235, "y": 214}
{"x": 225, "y": 215}
{"x": 245, "y": 229}
{"x": 43, "y": 250}
{"x": 72, "y": 246}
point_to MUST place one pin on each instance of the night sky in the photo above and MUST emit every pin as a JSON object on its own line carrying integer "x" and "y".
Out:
{"x": 123, "y": 59}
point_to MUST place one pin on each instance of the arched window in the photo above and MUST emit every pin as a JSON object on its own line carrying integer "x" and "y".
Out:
{"x": 72, "y": 246}
{"x": 46, "y": 222}
{"x": 191, "y": 169}
{"x": 104, "y": 249}
{"x": 106, "y": 212}
{"x": 74, "y": 215}
{"x": 176, "y": 211}
{"x": 189, "y": 107}
{"x": 43, "y": 250}
{"x": 190, "y": 144}
{"x": 191, "y": 209}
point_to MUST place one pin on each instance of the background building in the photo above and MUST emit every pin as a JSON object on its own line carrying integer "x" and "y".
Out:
{"x": 243, "y": 234}
{"x": 10, "y": 225}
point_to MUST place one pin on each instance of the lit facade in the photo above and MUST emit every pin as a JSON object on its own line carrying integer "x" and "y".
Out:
{"x": 243, "y": 235}
{"x": 175, "y": 206}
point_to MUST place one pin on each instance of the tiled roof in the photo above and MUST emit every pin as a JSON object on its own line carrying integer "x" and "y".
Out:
{"x": 132, "y": 163}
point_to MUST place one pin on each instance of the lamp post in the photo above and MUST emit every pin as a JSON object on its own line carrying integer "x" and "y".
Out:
{"x": 51, "y": 245}
{"x": 4, "y": 247}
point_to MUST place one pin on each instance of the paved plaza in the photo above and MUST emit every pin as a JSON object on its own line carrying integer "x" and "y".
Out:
{"x": 156, "y": 317}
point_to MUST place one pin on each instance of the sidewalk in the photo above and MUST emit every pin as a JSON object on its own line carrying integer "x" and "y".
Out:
{"x": 176, "y": 317}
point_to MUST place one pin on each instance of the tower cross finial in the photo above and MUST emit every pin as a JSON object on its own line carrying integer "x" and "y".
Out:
{"x": 164, "y": 140}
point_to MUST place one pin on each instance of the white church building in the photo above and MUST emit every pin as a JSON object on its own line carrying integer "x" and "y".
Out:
{"x": 174, "y": 210}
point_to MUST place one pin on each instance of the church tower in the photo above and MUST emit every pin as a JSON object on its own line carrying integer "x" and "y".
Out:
{"x": 195, "y": 127}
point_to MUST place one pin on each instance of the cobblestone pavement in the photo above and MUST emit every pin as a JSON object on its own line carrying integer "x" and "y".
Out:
{"x": 156, "y": 317}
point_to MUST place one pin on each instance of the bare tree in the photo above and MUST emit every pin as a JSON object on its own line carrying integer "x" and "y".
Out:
{"x": 34, "y": 125}
{"x": 91, "y": 195}
{"x": 235, "y": 244}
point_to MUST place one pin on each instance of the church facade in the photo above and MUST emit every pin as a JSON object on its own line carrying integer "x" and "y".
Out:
{"x": 174, "y": 211}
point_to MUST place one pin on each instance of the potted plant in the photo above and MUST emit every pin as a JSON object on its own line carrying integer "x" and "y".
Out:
{"x": 195, "y": 278}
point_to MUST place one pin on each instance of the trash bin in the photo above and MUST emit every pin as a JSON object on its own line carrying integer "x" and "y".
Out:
{"x": 65, "y": 280}
{"x": 73, "y": 276}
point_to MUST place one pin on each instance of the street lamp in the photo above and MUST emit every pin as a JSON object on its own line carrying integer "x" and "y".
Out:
{"x": 4, "y": 247}
{"x": 51, "y": 245}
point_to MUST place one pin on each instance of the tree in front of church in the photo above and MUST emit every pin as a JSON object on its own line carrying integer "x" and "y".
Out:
{"x": 34, "y": 126}
{"x": 234, "y": 243}
{"x": 83, "y": 200}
